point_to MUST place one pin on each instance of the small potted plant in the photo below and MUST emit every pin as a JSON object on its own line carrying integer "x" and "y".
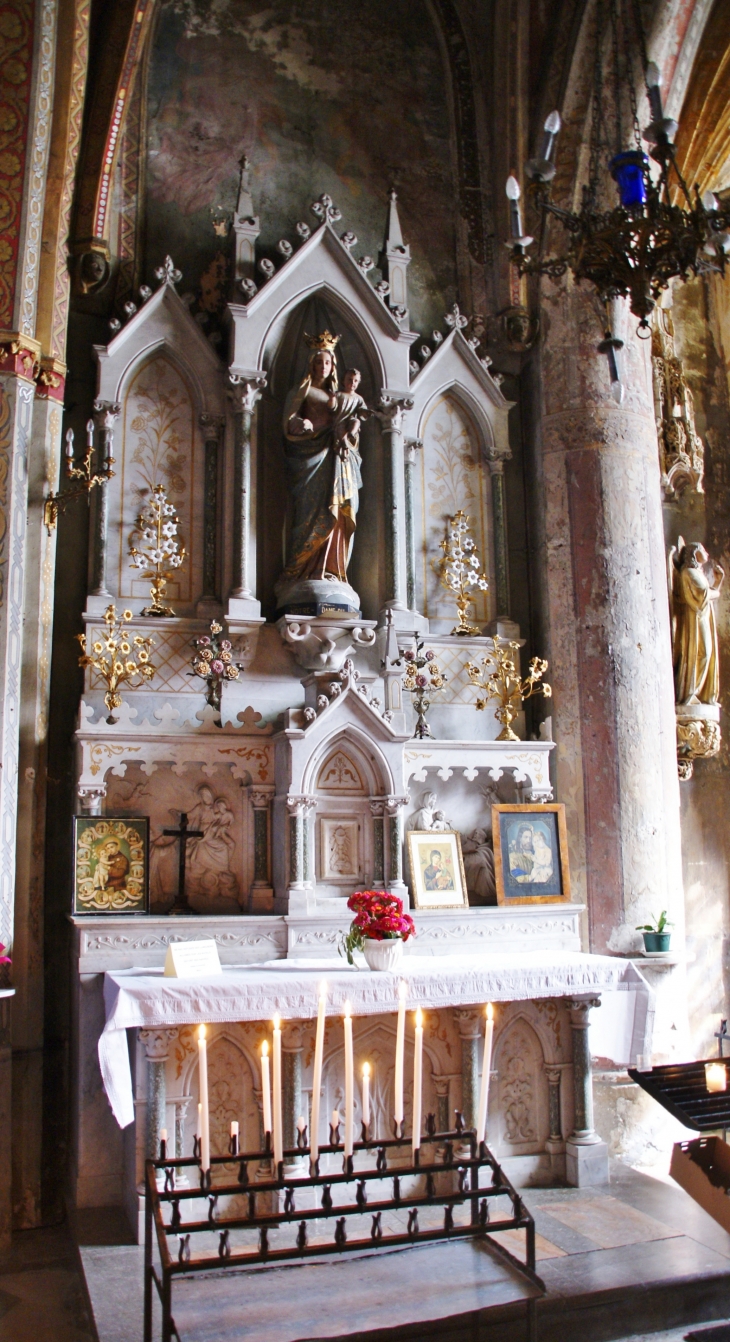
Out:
{"x": 656, "y": 936}
{"x": 378, "y": 929}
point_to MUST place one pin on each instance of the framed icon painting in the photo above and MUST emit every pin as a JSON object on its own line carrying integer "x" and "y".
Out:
{"x": 531, "y": 854}
{"x": 437, "y": 869}
{"x": 111, "y": 864}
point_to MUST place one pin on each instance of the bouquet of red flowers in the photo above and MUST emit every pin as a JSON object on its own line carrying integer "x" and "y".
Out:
{"x": 378, "y": 917}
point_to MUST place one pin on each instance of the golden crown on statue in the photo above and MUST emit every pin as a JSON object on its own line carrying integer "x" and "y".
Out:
{"x": 326, "y": 342}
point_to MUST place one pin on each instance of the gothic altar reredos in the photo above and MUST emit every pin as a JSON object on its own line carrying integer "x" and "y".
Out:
{"x": 303, "y": 790}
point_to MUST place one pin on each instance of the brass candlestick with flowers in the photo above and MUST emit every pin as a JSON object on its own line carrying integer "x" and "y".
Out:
{"x": 159, "y": 550}
{"x": 213, "y": 662}
{"x": 499, "y": 677}
{"x": 423, "y": 677}
{"x": 460, "y": 569}
{"x": 120, "y": 656}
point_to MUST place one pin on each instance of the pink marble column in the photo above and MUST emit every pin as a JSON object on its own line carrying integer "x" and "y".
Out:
{"x": 608, "y": 622}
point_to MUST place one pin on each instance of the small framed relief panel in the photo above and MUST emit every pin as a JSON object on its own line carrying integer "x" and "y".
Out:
{"x": 111, "y": 864}
{"x": 437, "y": 869}
{"x": 531, "y": 854}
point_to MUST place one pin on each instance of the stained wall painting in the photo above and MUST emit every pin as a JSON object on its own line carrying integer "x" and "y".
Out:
{"x": 320, "y": 98}
{"x": 453, "y": 475}
{"x": 158, "y": 443}
{"x": 219, "y": 865}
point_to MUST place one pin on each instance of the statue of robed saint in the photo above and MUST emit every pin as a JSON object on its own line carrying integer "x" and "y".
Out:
{"x": 323, "y": 466}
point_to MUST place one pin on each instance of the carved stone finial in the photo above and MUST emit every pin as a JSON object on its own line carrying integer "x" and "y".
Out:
{"x": 455, "y": 319}
{"x": 167, "y": 272}
{"x": 365, "y": 264}
{"x": 395, "y": 260}
{"x": 325, "y": 210}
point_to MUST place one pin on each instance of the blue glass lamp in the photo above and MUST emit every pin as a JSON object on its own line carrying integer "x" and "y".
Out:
{"x": 628, "y": 171}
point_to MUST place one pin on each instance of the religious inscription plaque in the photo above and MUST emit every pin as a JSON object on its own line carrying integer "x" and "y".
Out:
{"x": 110, "y": 864}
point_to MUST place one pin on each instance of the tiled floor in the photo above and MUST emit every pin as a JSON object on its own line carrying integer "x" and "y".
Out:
{"x": 625, "y": 1262}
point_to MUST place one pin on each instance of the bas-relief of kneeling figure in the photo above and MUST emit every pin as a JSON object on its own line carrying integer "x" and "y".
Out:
{"x": 694, "y": 587}
{"x": 323, "y": 464}
{"x": 476, "y": 849}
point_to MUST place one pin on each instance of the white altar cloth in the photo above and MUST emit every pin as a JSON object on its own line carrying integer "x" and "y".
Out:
{"x": 143, "y": 999}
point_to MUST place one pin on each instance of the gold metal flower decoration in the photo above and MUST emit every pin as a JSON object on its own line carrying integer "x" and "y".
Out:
{"x": 460, "y": 569}
{"x": 120, "y": 656}
{"x": 158, "y": 550}
{"x": 499, "y": 677}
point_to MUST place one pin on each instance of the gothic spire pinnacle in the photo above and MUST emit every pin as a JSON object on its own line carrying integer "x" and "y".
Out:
{"x": 394, "y": 263}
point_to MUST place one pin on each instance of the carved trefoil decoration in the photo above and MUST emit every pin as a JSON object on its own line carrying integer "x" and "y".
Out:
{"x": 694, "y": 589}
{"x": 681, "y": 450}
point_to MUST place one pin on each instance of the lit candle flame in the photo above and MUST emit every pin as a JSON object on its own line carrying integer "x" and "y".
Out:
{"x": 265, "y": 1049}
{"x": 419, "y": 1019}
{"x": 277, "y": 1021}
{"x": 201, "y": 1032}
{"x": 366, "y": 1069}
{"x": 490, "y": 1011}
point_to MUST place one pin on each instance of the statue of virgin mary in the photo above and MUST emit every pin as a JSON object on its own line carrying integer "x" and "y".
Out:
{"x": 322, "y": 453}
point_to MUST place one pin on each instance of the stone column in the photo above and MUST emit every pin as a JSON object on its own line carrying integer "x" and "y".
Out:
{"x": 411, "y": 447}
{"x": 586, "y": 1156}
{"x": 394, "y": 806}
{"x": 297, "y": 813}
{"x": 291, "y": 1083}
{"x": 245, "y": 394}
{"x": 181, "y": 1109}
{"x": 470, "y": 1026}
{"x": 212, "y": 427}
{"x": 443, "y": 1112}
{"x": 390, "y": 413}
{"x": 501, "y": 548}
{"x": 608, "y": 643}
{"x": 105, "y": 416}
{"x": 261, "y": 894}
{"x": 556, "y": 1128}
{"x": 156, "y": 1045}
{"x": 377, "y": 810}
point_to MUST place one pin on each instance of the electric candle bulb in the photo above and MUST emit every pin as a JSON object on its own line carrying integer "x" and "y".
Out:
{"x": 69, "y": 444}
{"x": 715, "y": 1077}
{"x": 512, "y": 190}
{"x": 653, "y": 75}
{"x": 551, "y": 128}
{"x": 90, "y": 432}
{"x": 710, "y": 201}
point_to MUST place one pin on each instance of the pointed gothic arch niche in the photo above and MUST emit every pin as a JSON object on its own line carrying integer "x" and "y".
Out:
{"x": 453, "y": 473}
{"x": 157, "y": 441}
{"x": 287, "y": 358}
{"x": 519, "y": 1102}
{"x": 346, "y": 838}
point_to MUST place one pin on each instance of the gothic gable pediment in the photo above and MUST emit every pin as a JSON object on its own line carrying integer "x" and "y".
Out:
{"x": 455, "y": 367}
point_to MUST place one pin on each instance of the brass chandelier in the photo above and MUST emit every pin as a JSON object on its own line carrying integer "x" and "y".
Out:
{"x": 658, "y": 231}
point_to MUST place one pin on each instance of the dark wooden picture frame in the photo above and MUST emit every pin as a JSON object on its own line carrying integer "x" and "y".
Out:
{"x": 542, "y": 852}
{"x": 111, "y": 864}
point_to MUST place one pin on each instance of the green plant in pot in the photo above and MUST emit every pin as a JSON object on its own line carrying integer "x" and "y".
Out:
{"x": 656, "y": 935}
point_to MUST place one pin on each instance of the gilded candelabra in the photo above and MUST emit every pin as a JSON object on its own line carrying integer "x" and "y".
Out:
{"x": 460, "y": 569}
{"x": 499, "y": 677}
{"x": 159, "y": 550}
{"x": 423, "y": 676}
{"x": 56, "y": 503}
{"x": 119, "y": 656}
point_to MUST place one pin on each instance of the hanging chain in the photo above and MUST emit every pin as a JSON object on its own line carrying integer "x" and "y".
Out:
{"x": 616, "y": 76}
{"x": 594, "y": 170}
{"x": 629, "y": 55}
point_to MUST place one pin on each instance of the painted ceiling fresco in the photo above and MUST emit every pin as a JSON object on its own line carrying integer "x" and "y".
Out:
{"x": 321, "y": 97}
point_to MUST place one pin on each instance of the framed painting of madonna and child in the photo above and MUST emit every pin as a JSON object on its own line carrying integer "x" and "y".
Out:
{"x": 531, "y": 854}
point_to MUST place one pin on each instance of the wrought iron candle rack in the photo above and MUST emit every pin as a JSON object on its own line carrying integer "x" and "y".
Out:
{"x": 459, "y": 1154}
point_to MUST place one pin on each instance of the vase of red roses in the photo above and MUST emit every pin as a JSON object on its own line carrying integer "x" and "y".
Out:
{"x": 378, "y": 929}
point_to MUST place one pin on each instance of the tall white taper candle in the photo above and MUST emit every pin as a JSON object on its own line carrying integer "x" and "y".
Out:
{"x": 400, "y": 1044}
{"x": 203, "y": 1093}
{"x": 317, "y": 1073}
{"x": 486, "y": 1068}
{"x": 278, "y": 1123}
{"x": 349, "y": 1083}
{"x": 366, "y": 1094}
{"x": 417, "y": 1081}
{"x": 266, "y": 1085}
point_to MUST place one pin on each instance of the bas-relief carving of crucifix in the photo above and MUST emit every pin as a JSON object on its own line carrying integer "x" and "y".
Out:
{"x": 181, "y": 904}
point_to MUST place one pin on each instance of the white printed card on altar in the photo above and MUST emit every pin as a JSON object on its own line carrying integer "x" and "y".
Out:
{"x": 192, "y": 960}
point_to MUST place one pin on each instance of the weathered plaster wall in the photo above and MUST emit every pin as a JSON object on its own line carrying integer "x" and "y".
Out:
{"x": 320, "y": 98}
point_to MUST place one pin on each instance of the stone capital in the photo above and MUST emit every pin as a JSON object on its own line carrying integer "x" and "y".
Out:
{"x": 300, "y": 806}
{"x": 260, "y": 798}
{"x": 91, "y": 797}
{"x": 245, "y": 392}
{"x": 395, "y": 805}
{"x": 105, "y": 414}
{"x": 391, "y": 410}
{"x": 553, "y": 1075}
{"x": 410, "y": 447}
{"x": 212, "y": 426}
{"x": 291, "y": 1038}
{"x": 157, "y": 1044}
{"x": 469, "y": 1021}
{"x": 580, "y": 1010}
